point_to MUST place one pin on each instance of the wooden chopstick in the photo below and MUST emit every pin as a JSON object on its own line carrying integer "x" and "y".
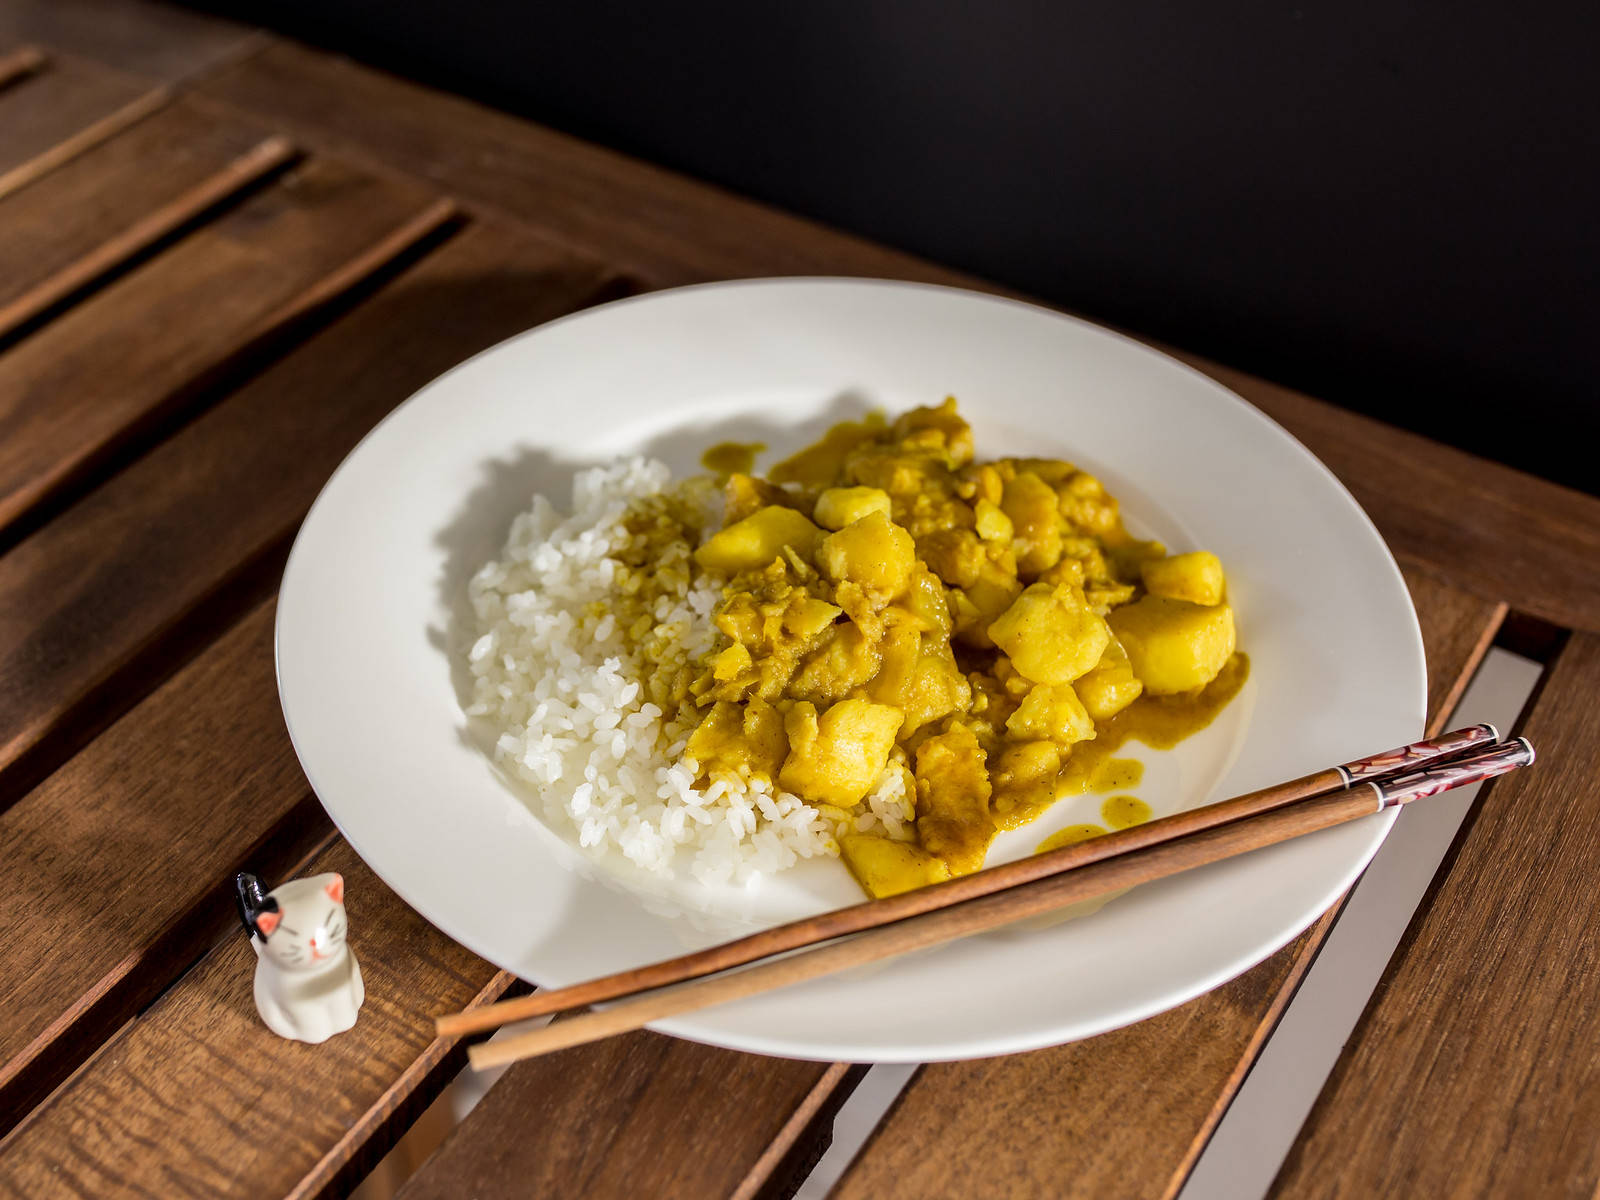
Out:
{"x": 1034, "y": 898}
{"x": 872, "y": 914}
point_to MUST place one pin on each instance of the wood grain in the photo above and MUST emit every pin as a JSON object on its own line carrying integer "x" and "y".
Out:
{"x": 89, "y": 604}
{"x": 156, "y": 41}
{"x": 197, "y": 1099}
{"x": 60, "y": 111}
{"x": 1457, "y": 630}
{"x": 641, "y": 1115}
{"x": 1475, "y": 1070}
{"x": 118, "y": 863}
{"x": 19, "y": 64}
{"x": 155, "y": 342}
{"x": 117, "y": 200}
{"x": 1128, "y": 1112}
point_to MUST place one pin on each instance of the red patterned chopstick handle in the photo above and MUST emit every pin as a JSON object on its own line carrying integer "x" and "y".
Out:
{"x": 1446, "y": 745}
{"x": 1457, "y": 772}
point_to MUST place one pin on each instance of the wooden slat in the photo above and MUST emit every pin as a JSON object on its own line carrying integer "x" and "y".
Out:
{"x": 19, "y": 64}
{"x": 198, "y": 1099}
{"x": 1126, "y": 1113}
{"x": 1475, "y": 1070}
{"x": 116, "y": 861}
{"x": 156, "y": 41}
{"x": 1457, "y": 631}
{"x": 640, "y": 1115}
{"x": 1526, "y": 538}
{"x": 63, "y": 109}
{"x": 150, "y": 344}
{"x": 88, "y": 600}
{"x": 118, "y": 199}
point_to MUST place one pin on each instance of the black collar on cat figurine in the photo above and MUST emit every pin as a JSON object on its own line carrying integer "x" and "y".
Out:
{"x": 253, "y": 901}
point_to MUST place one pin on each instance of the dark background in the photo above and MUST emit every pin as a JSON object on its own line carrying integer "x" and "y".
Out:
{"x": 1391, "y": 206}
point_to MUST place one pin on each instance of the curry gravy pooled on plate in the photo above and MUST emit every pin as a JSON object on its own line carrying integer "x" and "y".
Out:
{"x": 888, "y": 651}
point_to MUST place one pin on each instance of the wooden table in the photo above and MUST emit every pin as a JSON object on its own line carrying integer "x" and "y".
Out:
{"x": 223, "y": 257}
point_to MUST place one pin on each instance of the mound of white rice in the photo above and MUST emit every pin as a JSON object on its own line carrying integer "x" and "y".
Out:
{"x": 573, "y": 665}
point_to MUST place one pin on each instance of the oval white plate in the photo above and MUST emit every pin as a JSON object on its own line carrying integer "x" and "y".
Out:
{"x": 367, "y": 674}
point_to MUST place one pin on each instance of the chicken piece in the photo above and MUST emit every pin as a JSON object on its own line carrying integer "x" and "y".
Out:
{"x": 1173, "y": 645}
{"x": 977, "y": 607}
{"x": 758, "y": 539}
{"x": 1052, "y": 713}
{"x": 844, "y": 661}
{"x": 919, "y": 677}
{"x": 886, "y": 868}
{"x": 837, "y": 758}
{"x": 940, "y": 427}
{"x": 744, "y": 494}
{"x": 1195, "y": 577}
{"x": 1025, "y": 776}
{"x": 1110, "y": 686}
{"x": 873, "y": 552}
{"x": 746, "y": 740}
{"x": 925, "y": 600}
{"x": 841, "y": 506}
{"x": 1050, "y": 634}
{"x": 954, "y": 555}
{"x": 1087, "y": 506}
{"x": 953, "y": 819}
{"x": 1031, "y": 505}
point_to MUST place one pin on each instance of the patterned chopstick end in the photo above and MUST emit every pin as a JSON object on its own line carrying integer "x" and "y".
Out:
{"x": 1457, "y": 772}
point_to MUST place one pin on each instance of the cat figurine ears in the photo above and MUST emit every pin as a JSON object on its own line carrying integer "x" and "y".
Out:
{"x": 257, "y": 910}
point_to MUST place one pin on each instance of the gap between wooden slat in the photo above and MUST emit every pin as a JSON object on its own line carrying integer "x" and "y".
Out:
{"x": 1256, "y": 1132}
{"x": 19, "y": 64}
{"x": 819, "y": 1105}
{"x": 86, "y": 138}
{"x": 261, "y": 161}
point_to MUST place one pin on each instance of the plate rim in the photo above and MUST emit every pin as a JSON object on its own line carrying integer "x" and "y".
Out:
{"x": 987, "y": 1044}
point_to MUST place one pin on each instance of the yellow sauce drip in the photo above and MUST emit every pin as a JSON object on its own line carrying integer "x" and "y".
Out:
{"x": 1124, "y": 812}
{"x": 729, "y": 458}
{"x": 1160, "y": 722}
{"x": 1070, "y": 836}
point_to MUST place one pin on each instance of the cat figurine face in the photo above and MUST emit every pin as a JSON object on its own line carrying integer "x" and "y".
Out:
{"x": 308, "y": 985}
{"x": 305, "y": 928}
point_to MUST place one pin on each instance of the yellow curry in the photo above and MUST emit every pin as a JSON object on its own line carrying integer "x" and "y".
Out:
{"x": 987, "y": 629}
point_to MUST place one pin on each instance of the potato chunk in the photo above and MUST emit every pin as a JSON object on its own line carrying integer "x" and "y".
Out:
{"x": 841, "y": 506}
{"x": 874, "y": 552}
{"x": 1050, "y": 633}
{"x": 1173, "y": 645}
{"x": 886, "y": 868}
{"x": 1051, "y": 712}
{"x": 1196, "y": 577}
{"x": 758, "y": 539}
{"x": 1110, "y": 686}
{"x": 835, "y": 759}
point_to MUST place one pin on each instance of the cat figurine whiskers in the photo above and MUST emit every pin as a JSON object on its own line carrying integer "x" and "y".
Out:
{"x": 308, "y": 985}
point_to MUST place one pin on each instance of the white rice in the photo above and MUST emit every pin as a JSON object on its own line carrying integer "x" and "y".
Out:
{"x": 572, "y": 647}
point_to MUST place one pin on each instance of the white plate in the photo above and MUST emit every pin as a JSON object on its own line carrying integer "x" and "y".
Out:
{"x": 369, "y": 686}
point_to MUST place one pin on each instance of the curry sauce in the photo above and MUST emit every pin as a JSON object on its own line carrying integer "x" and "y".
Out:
{"x": 979, "y": 638}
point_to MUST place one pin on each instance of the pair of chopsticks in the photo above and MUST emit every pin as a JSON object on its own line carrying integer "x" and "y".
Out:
{"x": 988, "y": 899}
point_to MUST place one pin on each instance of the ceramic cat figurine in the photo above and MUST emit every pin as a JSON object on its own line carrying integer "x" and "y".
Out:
{"x": 308, "y": 986}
